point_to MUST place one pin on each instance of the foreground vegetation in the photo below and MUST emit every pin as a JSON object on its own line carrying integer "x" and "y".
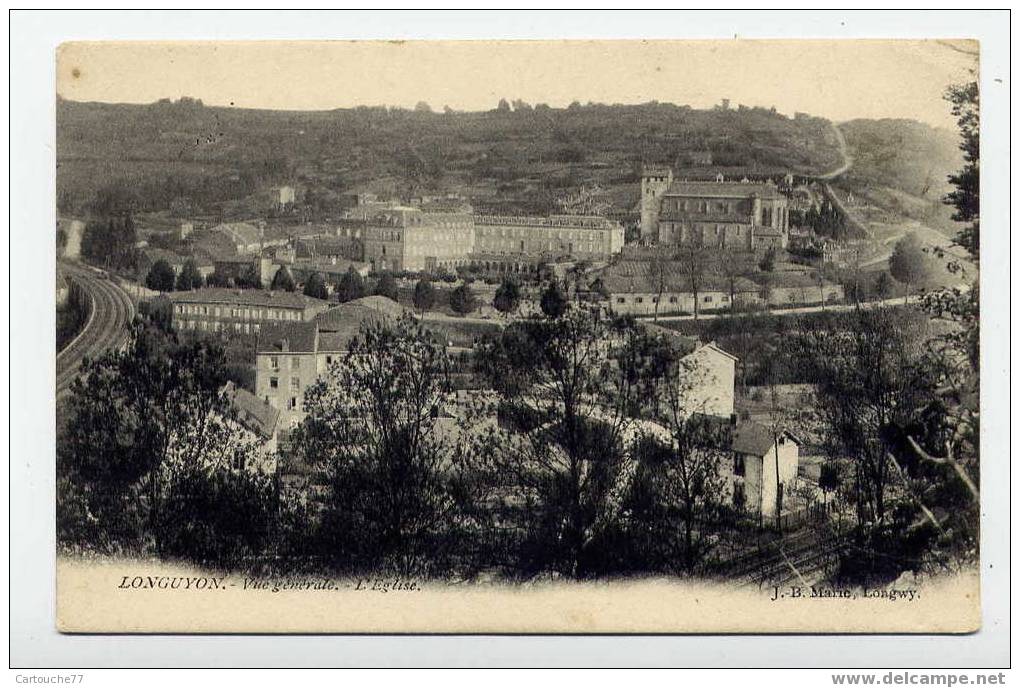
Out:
{"x": 576, "y": 460}
{"x": 554, "y": 471}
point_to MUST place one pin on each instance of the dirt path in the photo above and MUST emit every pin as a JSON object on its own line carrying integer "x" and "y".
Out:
{"x": 847, "y": 160}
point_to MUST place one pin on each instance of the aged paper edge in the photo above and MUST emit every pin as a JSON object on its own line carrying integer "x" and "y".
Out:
{"x": 90, "y": 600}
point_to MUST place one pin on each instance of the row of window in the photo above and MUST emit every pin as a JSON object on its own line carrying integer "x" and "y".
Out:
{"x": 383, "y": 235}
{"x": 295, "y": 362}
{"x": 496, "y": 246}
{"x": 431, "y": 237}
{"x": 217, "y": 326}
{"x": 432, "y": 249}
{"x": 238, "y": 312}
{"x": 705, "y": 206}
{"x": 708, "y": 298}
{"x": 514, "y": 233}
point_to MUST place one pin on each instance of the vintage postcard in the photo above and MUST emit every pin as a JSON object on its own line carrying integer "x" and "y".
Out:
{"x": 518, "y": 337}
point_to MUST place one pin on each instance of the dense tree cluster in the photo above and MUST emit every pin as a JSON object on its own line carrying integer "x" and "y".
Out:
{"x": 150, "y": 456}
{"x": 189, "y": 278}
{"x": 283, "y": 280}
{"x": 351, "y": 286}
{"x": 161, "y": 277}
{"x": 827, "y": 221}
{"x": 463, "y": 300}
{"x": 424, "y": 297}
{"x": 908, "y": 263}
{"x": 966, "y": 102}
{"x": 315, "y": 286}
{"x": 507, "y": 298}
{"x": 111, "y": 243}
{"x": 579, "y": 457}
{"x": 386, "y": 286}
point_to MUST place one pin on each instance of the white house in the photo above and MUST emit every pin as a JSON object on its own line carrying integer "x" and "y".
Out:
{"x": 713, "y": 376}
{"x": 260, "y": 422}
{"x": 764, "y": 468}
{"x": 708, "y": 373}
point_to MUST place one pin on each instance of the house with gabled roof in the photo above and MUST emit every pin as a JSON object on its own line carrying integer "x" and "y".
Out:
{"x": 708, "y": 370}
{"x": 260, "y": 421}
{"x": 764, "y": 468}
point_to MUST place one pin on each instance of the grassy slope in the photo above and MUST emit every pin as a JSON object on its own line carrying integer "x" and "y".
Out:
{"x": 902, "y": 168}
{"x": 214, "y": 154}
{"x": 900, "y": 176}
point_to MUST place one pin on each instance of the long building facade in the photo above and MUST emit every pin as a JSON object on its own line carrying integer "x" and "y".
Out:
{"x": 415, "y": 238}
{"x": 579, "y": 236}
{"x": 239, "y": 310}
{"x": 743, "y": 216}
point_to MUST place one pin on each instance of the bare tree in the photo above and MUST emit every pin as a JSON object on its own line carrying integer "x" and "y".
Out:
{"x": 684, "y": 464}
{"x": 659, "y": 271}
{"x": 732, "y": 268}
{"x": 693, "y": 262}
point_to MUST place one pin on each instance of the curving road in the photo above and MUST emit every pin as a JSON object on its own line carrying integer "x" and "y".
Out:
{"x": 843, "y": 151}
{"x": 110, "y": 313}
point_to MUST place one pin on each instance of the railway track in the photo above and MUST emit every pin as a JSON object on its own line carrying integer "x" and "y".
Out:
{"x": 801, "y": 558}
{"x": 110, "y": 312}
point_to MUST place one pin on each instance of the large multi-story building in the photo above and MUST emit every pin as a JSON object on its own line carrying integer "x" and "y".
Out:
{"x": 447, "y": 235}
{"x": 580, "y": 236}
{"x": 408, "y": 238}
{"x": 239, "y": 310}
{"x": 741, "y": 215}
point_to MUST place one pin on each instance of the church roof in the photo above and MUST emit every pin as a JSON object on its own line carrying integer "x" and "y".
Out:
{"x": 722, "y": 190}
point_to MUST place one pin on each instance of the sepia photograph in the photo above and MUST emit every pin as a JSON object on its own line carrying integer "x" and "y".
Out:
{"x": 577, "y": 336}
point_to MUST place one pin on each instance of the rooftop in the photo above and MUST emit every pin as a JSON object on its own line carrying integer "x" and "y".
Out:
{"x": 755, "y": 439}
{"x": 681, "y": 343}
{"x": 252, "y": 412}
{"x": 723, "y": 190}
{"x": 446, "y": 205}
{"x": 565, "y": 221}
{"x": 323, "y": 245}
{"x": 637, "y": 277}
{"x": 340, "y": 267}
{"x": 331, "y": 331}
{"x": 299, "y": 337}
{"x": 339, "y": 326}
{"x": 152, "y": 254}
{"x": 246, "y": 297}
{"x": 214, "y": 245}
{"x": 382, "y": 304}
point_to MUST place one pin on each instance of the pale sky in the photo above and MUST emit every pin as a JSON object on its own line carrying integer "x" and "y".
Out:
{"x": 837, "y": 79}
